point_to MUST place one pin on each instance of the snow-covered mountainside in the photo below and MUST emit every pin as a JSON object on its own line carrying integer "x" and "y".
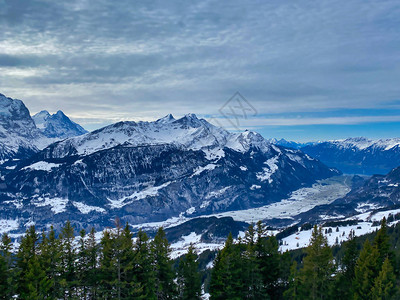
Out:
{"x": 20, "y": 137}
{"x": 358, "y": 155}
{"x": 151, "y": 171}
{"x": 57, "y": 125}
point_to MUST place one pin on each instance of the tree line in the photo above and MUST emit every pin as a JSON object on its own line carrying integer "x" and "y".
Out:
{"x": 47, "y": 265}
{"x": 254, "y": 268}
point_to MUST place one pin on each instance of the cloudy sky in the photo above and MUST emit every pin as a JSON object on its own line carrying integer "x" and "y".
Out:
{"x": 307, "y": 69}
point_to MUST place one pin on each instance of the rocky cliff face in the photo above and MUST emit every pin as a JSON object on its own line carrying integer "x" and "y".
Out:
{"x": 19, "y": 136}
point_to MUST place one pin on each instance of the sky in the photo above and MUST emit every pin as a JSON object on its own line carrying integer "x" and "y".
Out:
{"x": 304, "y": 70}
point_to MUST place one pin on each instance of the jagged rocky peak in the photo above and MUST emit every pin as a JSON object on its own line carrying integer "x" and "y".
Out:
{"x": 167, "y": 119}
{"x": 19, "y": 136}
{"x": 12, "y": 110}
{"x": 57, "y": 125}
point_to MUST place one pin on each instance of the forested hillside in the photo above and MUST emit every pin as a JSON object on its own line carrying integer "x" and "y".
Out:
{"x": 50, "y": 266}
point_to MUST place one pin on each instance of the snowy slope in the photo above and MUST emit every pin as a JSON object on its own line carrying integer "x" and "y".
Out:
{"x": 19, "y": 136}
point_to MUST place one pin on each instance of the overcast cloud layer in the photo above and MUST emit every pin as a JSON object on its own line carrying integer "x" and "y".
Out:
{"x": 297, "y": 62}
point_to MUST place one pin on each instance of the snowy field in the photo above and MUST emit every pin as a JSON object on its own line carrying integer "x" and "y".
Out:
{"x": 301, "y": 239}
{"x": 302, "y": 200}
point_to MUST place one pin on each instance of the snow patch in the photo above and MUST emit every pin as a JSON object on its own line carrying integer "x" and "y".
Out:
{"x": 58, "y": 205}
{"x": 136, "y": 196}
{"x": 85, "y": 209}
{"x": 271, "y": 169}
{"x": 200, "y": 170}
{"x": 8, "y": 225}
{"x": 42, "y": 166}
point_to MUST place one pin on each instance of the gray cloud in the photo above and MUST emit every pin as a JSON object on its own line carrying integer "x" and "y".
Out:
{"x": 102, "y": 61}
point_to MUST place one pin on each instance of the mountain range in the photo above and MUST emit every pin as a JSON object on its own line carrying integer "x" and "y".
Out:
{"x": 22, "y": 135}
{"x": 353, "y": 155}
{"x": 151, "y": 171}
{"x": 181, "y": 169}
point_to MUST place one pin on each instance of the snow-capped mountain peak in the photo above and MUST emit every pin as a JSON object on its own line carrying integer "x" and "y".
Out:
{"x": 40, "y": 119}
{"x": 57, "y": 125}
{"x": 189, "y": 132}
{"x": 21, "y": 135}
{"x": 18, "y": 133}
{"x": 167, "y": 119}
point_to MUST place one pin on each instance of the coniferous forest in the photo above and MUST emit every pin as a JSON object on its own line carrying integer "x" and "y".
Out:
{"x": 65, "y": 266}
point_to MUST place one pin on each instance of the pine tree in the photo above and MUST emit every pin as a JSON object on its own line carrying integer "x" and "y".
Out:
{"x": 318, "y": 267}
{"x": 49, "y": 261}
{"x": 144, "y": 273}
{"x": 31, "y": 277}
{"x": 68, "y": 257}
{"x": 252, "y": 273}
{"x": 268, "y": 259}
{"x": 292, "y": 292}
{"x": 92, "y": 279}
{"x": 385, "y": 283}
{"x": 189, "y": 279}
{"x": 128, "y": 286}
{"x": 108, "y": 267}
{"x": 163, "y": 267}
{"x": 381, "y": 243}
{"x": 365, "y": 271}
{"x": 227, "y": 274}
{"x": 344, "y": 279}
{"x": 82, "y": 266}
{"x": 6, "y": 268}
{"x": 285, "y": 264}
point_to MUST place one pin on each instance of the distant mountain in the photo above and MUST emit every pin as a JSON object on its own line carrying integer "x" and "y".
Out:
{"x": 358, "y": 155}
{"x": 57, "y": 125}
{"x": 289, "y": 144}
{"x": 20, "y": 137}
{"x": 151, "y": 171}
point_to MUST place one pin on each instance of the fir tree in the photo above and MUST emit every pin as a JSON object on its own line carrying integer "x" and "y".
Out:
{"x": 381, "y": 243}
{"x": 108, "y": 267}
{"x": 385, "y": 283}
{"x": 344, "y": 279}
{"x": 144, "y": 273}
{"x": 125, "y": 256}
{"x": 163, "y": 267}
{"x": 31, "y": 277}
{"x": 318, "y": 268}
{"x": 252, "y": 273}
{"x": 294, "y": 281}
{"x": 82, "y": 266}
{"x": 91, "y": 251}
{"x": 68, "y": 257}
{"x": 6, "y": 268}
{"x": 365, "y": 271}
{"x": 226, "y": 276}
{"x": 189, "y": 279}
{"x": 50, "y": 262}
